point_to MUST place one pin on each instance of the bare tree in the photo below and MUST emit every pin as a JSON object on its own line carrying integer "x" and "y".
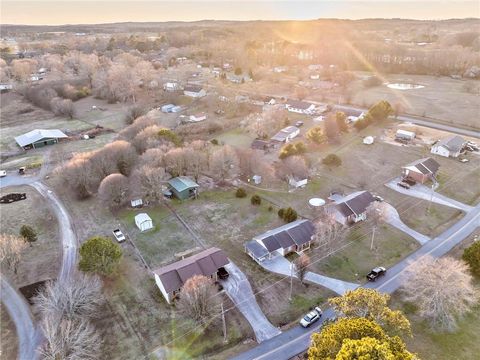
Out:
{"x": 78, "y": 174}
{"x": 301, "y": 266}
{"x": 11, "y": 248}
{"x": 122, "y": 154}
{"x": 442, "y": 289}
{"x": 198, "y": 299}
{"x": 153, "y": 157}
{"x": 224, "y": 162}
{"x": 328, "y": 233}
{"x": 23, "y": 68}
{"x": 266, "y": 123}
{"x": 196, "y": 159}
{"x": 122, "y": 83}
{"x": 113, "y": 190}
{"x": 63, "y": 107}
{"x": 151, "y": 181}
{"x": 293, "y": 167}
{"x": 175, "y": 161}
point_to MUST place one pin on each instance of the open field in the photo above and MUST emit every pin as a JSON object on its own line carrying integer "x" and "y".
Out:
{"x": 8, "y": 336}
{"x": 41, "y": 260}
{"x": 236, "y": 138}
{"x": 442, "y": 98}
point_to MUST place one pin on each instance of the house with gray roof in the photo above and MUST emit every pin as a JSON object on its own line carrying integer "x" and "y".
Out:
{"x": 171, "y": 278}
{"x": 352, "y": 208}
{"x": 451, "y": 146}
{"x": 39, "y": 137}
{"x": 286, "y": 134}
{"x": 300, "y": 107}
{"x": 183, "y": 187}
{"x": 296, "y": 236}
{"x": 195, "y": 91}
{"x": 421, "y": 170}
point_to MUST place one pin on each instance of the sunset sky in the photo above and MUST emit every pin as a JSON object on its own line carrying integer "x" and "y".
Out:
{"x": 38, "y": 12}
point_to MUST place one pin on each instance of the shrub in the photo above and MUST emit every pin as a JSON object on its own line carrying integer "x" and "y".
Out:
{"x": 288, "y": 214}
{"x": 316, "y": 135}
{"x": 241, "y": 193}
{"x": 134, "y": 112}
{"x": 28, "y": 233}
{"x": 256, "y": 200}
{"x": 292, "y": 149}
{"x": 214, "y": 141}
{"x": 270, "y": 208}
{"x": 471, "y": 255}
{"x": 99, "y": 255}
{"x": 170, "y": 136}
{"x": 332, "y": 160}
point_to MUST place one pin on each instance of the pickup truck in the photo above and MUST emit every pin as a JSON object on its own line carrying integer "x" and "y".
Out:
{"x": 311, "y": 317}
{"x": 118, "y": 235}
{"x": 376, "y": 273}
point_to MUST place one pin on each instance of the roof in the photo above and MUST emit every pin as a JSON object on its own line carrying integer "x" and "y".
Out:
{"x": 257, "y": 250}
{"x": 205, "y": 263}
{"x": 182, "y": 183}
{"x": 259, "y": 144}
{"x": 142, "y": 217}
{"x": 424, "y": 166}
{"x": 453, "y": 143}
{"x": 284, "y": 133}
{"x": 37, "y": 135}
{"x": 295, "y": 233}
{"x": 297, "y": 104}
{"x": 193, "y": 88}
{"x": 355, "y": 203}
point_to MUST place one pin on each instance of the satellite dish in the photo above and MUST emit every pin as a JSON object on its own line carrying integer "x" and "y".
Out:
{"x": 316, "y": 202}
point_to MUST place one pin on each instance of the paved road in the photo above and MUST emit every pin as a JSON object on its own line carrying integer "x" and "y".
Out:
{"x": 281, "y": 266}
{"x": 424, "y": 192}
{"x": 239, "y": 290}
{"x": 393, "y": 219}
{"x": 297, "y": 340}
{"x": 20, "y": 313}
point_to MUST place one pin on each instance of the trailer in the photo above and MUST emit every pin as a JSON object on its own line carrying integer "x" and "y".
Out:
{"x": 404, "y": 135}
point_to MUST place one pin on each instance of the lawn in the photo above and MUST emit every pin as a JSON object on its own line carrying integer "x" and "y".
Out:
{"x": 40, "y": 260}
{"x": 8, "y": 336}
{"x": 236, "y": 138}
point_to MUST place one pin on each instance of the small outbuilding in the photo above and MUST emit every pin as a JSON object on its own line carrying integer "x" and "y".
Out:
{"x": 404, "y": 135}
{"x": 39, "y": 137}
{"x": 143, "y": 222}
{"x": 183, "y": 187}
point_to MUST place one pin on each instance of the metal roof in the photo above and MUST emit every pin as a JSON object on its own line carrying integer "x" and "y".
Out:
{"x": 256, "y": 249}
{"x": 37, "y": 135}
{"x": 141, "y": 218}
{"x": 182, "y": 183}
{"x": 424, "y": 166}
{"x": 452, "y": 143}
{"x": 355, "y": 203}
{"x": 193, "y": 88}
{"x": 297, "y": 104}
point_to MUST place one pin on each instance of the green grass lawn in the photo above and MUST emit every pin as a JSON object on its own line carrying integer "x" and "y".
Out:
{"x": 236, "y": 137}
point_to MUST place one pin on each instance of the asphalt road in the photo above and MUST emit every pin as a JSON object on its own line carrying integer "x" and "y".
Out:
{"x": 295, "y": 341}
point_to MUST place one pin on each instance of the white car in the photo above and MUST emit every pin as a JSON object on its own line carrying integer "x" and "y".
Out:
{"x": 119, "y": 235}
{"x": 311, "y": 317}
{"x": 3, "y": 173}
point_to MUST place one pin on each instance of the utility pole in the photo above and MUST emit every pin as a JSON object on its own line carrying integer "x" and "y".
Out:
{"x": 224, "y": 325}
{"x": 291, "y": 281}
{"x": 373, "y": 236}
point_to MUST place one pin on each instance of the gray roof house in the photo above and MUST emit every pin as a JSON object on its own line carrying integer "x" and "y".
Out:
{"x": 194, "y": 91}
{"x": 292, "y": 237}
{"x": 421, "y": 170}
{"x": 171, "y": 278}
{"x": 301, "y": 107}
{"x": 39, "y": 137}
{"x": 286, "y": 134}
{"x": 451, "y": 146}
{"x": 353, "y": 207}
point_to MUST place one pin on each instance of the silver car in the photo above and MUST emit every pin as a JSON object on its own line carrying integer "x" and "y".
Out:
{"x": 311, "y": 317}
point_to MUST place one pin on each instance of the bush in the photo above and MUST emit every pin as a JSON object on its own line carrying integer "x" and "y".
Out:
{"x": 471, "y": 256}
{"x": 270, "y": 208}
{"x": 288, "y": 214}
{"x": 241, "y": 193}
{"x": 316, "y": 135}
{"x": 292, "y": 149}
{"x": 332, "y": 160}
{"x": 99, "y": 255}
{"x": 214, "y": 141}
{"x": 62, "y": 107}
{"x": 28, "y": 233}
{"x": 170, "y": 136}
{"x": 256, "y": 200}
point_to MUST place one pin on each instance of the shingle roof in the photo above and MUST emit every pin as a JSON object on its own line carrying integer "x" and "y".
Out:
{"x": 295, "y": 233}
{"x": 205, "y": 263}
{"x": 193, "y": 88}
{"x": 256, "y": 249}
{"x": 182, "y": 183}
{"x": 356, "y": 204}
{"x": 37, "y": 135}
{"x": 283, "y": 134}
{"x": 452, "y": 143}
{"x": 425, "y": 166}
{"x": 297, "y": 104}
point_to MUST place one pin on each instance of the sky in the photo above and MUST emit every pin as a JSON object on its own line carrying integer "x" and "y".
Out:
{"x": 41, "y": 12}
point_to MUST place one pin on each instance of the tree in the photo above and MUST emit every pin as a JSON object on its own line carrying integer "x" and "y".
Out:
{"x": 332, "y": 160}
{"x": 371, "y": 348}
{"x": 292, "y": 149}
{"x": 113, "y": 190}
{"x": 316, "y": 135}
{"x": 328, "y": 233}
{"x": 198, "y": 300}
{"x": 151, "y": 181}
{"x": 11, "y": 248}
{"x": 329, "y": 342}
{"x": 331, "y": 128}
{"x": 224, "y": 162}
{"x": 381, "y": 111}
{"x": 238, "y": 71}
{"x": 371, "y": 304}
{"x": 28, "y": 233}
{"x": 255, "y": 200}
{"x": 99, "y": 255}
{"x": 62, "y": 107}
{"x": 293, "y": 167}
{"x": 240, "y": 193}
{"x": 301, "y": 266}
{"x": 134, "y": 112}
{"x": 341, "y": 120}
{"x": 288, "y": 214}
{"x": 442, "y": 289}
{"x": 471, "y": 256}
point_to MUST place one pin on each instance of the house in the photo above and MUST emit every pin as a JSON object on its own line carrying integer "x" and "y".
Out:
{"x": 451, "y": 146}
{"x": 183, "y": 187}
{"x": 286, "y": 134}
{"x": 39, "y": 137}
{"x": 171, "y": 278}
{"x": 171, "y": 86}
{"x": 404, "y": 135}
{"x": 296, "y": 236}
{"x": 5, "y": 87}
{"x": 300, "y": 107}
{"x": 136, "y": 203}
{"x": 171, "y": 108}
{"x": 195, "y": 91}
{"x": 257, "y": 179}
{"x": 143, "y": 222}
{"x": 269, "y": 101}
{"x": 296, "y": 183}
{"x": 259, "y": 144}
{"x": 421, "y": 170}
{"x": 198, "y": 117}
{"x": 353, "y": 208}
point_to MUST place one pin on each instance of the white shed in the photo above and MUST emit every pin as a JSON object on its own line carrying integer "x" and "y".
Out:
{"x": 143, "y": 222}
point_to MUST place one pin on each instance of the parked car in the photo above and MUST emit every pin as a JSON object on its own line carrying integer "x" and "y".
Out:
{"x": 118, "y": 235}
{"x": 299, "y": 123}
{"x": 376, "y": 273}
{"x": 311, "y": 317}
{"x": 222, "y": 273}
{"x": 464, "y": 160}
{"x": 3, "y": 173}
{"x": 378, "y": 198}
{"x": 403, "y": 185}
{"x": 409, "y": 181}
{"x": 21, "y": 170}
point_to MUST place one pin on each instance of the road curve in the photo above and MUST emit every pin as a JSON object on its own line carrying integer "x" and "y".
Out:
{"x": 19, "y": 311}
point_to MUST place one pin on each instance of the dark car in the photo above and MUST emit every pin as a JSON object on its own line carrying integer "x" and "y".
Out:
{"x": 409, "y": 181}
{"x": 403, "y": 185}
{"x": 376, "y": 273}
{"x": 299, "y": 123}
{"x": 222, "y": 273}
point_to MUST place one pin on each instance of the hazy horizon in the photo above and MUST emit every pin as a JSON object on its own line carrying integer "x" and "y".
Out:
{"x": 40, "y": 12}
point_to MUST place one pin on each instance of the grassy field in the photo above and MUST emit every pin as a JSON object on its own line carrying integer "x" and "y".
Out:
{"x": 8, "y": 336}
{"x": 236, "y": 137}
{"x": 442, "y": 98}
{"x": 39, "y": 261}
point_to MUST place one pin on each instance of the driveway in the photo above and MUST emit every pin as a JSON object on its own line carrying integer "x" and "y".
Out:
{"x": 19, "y": 311}
{"x": 282, "y": 266}
{"x": 239, "y": 290}
{"x": 424, "y": 192}
{"x": 393, "y": 219}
